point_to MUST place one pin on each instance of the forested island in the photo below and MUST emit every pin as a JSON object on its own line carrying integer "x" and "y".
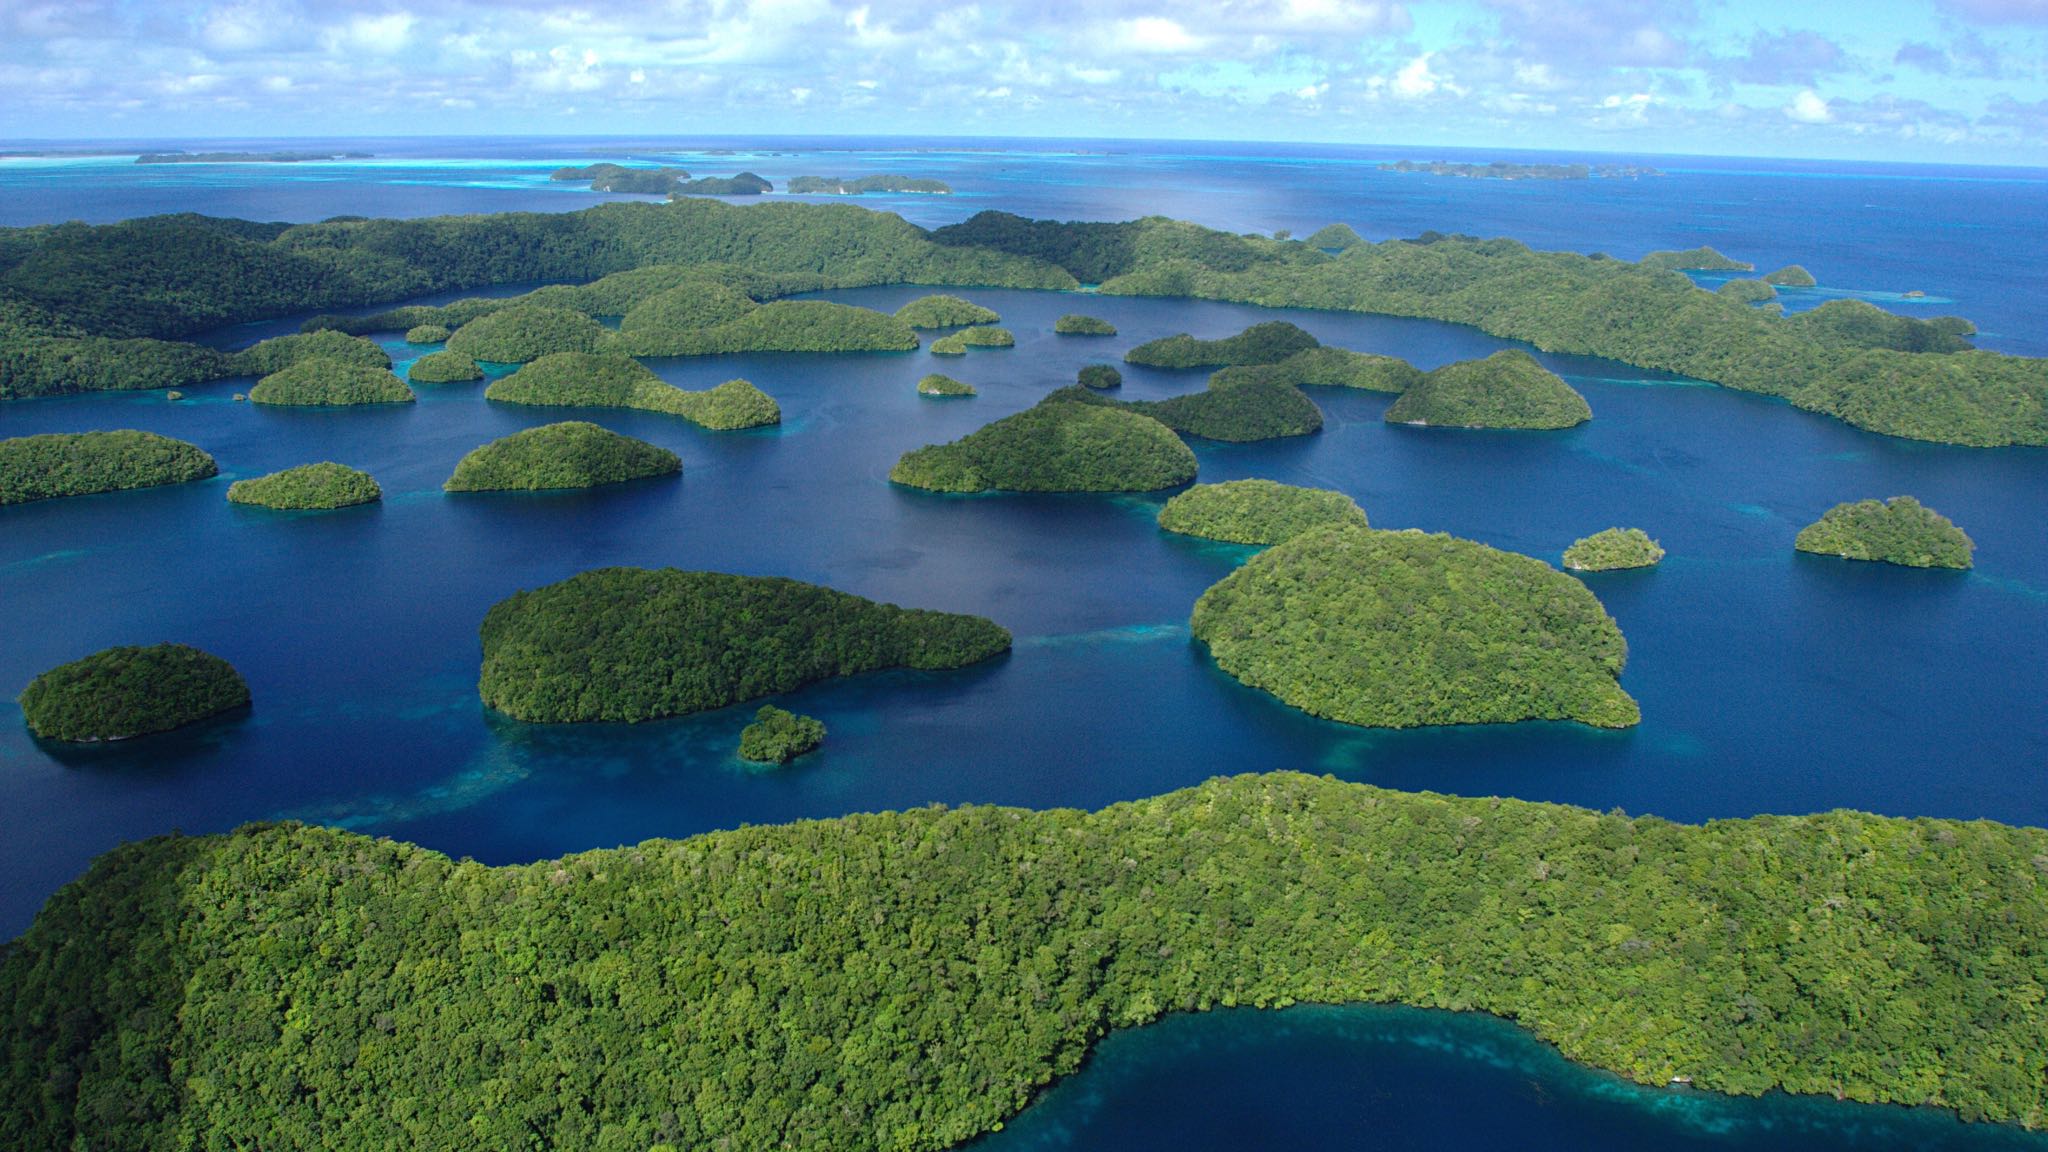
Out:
{"x": 1060, "y": 445}
{"x": 1897, "y": 531}
{"x": 527, "y": 332}
{"x": 632, "y": 644}
{"x": 571, "y": 454}
{"x": 935, "y": 384}
{"x": 92, "y": 307}
{"x": 120, "y": 693}
{"x": 308, "y": 487}
{"x": 979, "y": 336}
{"x": 246, "y": 157}
{"x": 1398, "y": 629}
{"x": 1100, "y": 377}
{"x": 942, "y": 311}
{"x": 1809, "y": 954}
{"x": 1613, "y": 549}
{"x": 609, "y": 380}
{"x": 54, "y": 464}
{"x": 1508, "y": 389}
{"x": 778, "y": 736}
{"x": 1075, "y": 324}
{"x": 861, "y": 185}
{"x": 445, "y": 367}
{"x": 1500, "y": 170}
{"x": 281, "y": 352}
{"x": 1257, "y": 511}
{"x": 743, "y": 184}
{"x": 777, "y": 326}
{"x": 1264, "y": 343}
{"x": 322, "y": 383}
{"x": 1236, "y": 408}
{"x": 609, "y": 177}
{"x": 427, "y": 334}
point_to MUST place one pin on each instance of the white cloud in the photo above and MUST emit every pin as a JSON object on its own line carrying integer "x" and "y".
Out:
{"x": 1415, "y": 80}
{"x": 1809, "y": 108}
{"x": 1156, "y": 34}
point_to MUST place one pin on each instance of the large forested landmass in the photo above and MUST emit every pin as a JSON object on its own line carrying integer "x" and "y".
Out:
{"x": 1612, "y": 549}
{"x": 571, "y": 454}
{"x": 1240, "y": 408}
{"x": 636, "y": 644}
{"x": 1075, "y": 324}
{"x": 1508, "y": 389}
{"x": 1897, "y": 531}
{"x": 1266, "y": 343}
{"x": 1257, "y": 511}
{"x": 324, "y": 383}
{"x": 308, "y": 487}
{"x": 606, "y": 380}
{"x": 1399, "y": 629}
{"x": 281, "y": 352}
{"x": 778, "y": 736}
{"x": 943, "y": 311}
{"x": 910, "y": 980}
{"x": 119, "y": 693}
{"x": 444, "y": 367}
{"x": 89, "y": 307}
{"x": 56, "y": 464}
{"x": 777, "y": 326}
{"x": 1327, "y": 367}
{"x": 860, "y": 185}
{"x": 1060, "y": 445}
{"x": 529, "y": 332}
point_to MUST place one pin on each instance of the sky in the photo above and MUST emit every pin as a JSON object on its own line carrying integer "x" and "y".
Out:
{"x": 1963, "y": 81}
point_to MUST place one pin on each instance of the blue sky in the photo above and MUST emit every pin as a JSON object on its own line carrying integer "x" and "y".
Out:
{"x": 1937, "y": 80}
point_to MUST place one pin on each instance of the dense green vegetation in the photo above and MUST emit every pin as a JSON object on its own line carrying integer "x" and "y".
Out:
{"x": 743, "y": 184}
{"x": 570, "y": 454}
{"x": 1257, "y": 511}
{"x": 1397, "y": 629}
{"x": 1897, "y": 531}
{"x": 636, "y": 644}
{"x": 1334, "y": 238}
{"x": 778, "y": 736}
{"x": 1057, "y": 446}
{"x": 330, "y": 383}
{"x": 949, "y": 346}
{"x": 131, "y": 691}
{"x": 81, "y": 463}
{"x": 1075, "y": 324}
{"x": 778, "y": 326}
{"x": 1508, "y": 389}
{"x": 883, "y": 182}
{"x": 427, "y": 334}
{"x": 937, "y": 385}
{"x": 1266, "y": 343}
{"x": 907, "y": 981}
{"x": 1611, "y": 549}
{"x": 1748, "y": 291}
{"x": 528, "y": 332}
{"x": 687, "y": 307}
{"x": 1100, "y": 377}
{"x": 608, "y": 177}
{"x": 281, "y": 352}
{"x": 444, "y": 367}
{"x": 959, "y": 342}
{"x": 1791, "y": 276}
{"x": 308, "y": 486}
{"x": 941, "y": 311}
{"x": 1327, "y": 367}
{"x": 1239, "y": 408}
{"x": 1701, "y": 259}
{"x": 608, "y": 380}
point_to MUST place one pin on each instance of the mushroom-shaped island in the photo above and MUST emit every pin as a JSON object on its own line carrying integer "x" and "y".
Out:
{"x": 1508, "y": 389}
{"x": 571, "y": 454}
{"x": 1058, "y": 446}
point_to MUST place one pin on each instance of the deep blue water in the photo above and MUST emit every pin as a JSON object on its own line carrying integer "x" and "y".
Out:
{"x": 1769, "y": 681}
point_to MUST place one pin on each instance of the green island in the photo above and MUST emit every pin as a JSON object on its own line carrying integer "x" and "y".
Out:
{"x": 1400, "y": 629}
{"x": 1265, "y": 343}
{"x": 684, "y": 308}
{"x": 123, "y": 692}
{"x": 1257, "y": 511}
{"x": 1334, "y": 238}
{"x": 54, "y": 464}
{"x": 742, "y": 184}
{"x": 1897, "y": 531}
{"x": 527, "y": 332}
{"x": 609, "y": 177}
{"x": 569, "y": 454}
{"x": 608, "y": 380}
{"x": 959, "y": 342}
{"x": 942, "y": 311}
{"x": 323, "y": 383}
{"x": 1327, "y": 367}
{"x": 1791, "y": 276}
{"x": 1701, "y": 259}
{"x": 1807, "y": 954}
{"x": 936, "y": 385}
{"x": 633, "y": 644}
{"x": 861, "y": 185}
{"x": 281, "y": 352}
{"x": 308, "y": 486}
{"x": 1075, "y": 324}
{"x": 1748, "y": 291}
{"x": 1501, "y": 170}
{"x": 1100, "y": 377}
{"x": 778, "y": 736}
{"x": 1238, "y": 408}
{"x": 444, "y": 367}
{"x": 777, "y": 326}
{"x": 427, "y": 334}
{"x": 1613, "y": 549}
{"x": 98, "y": 307}
{"x": 1059, "y": 445}
{"x": 1508, "y": 389}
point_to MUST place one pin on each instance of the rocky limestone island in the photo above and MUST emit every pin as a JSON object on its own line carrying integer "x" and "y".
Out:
{"x": 308, "y": 487}
{"x": 1508, "y": 389}
{"x": 941, "y": 311}
{"x": 607, "y": 380}
{"x": 778, "y": 736}
{"x": 323, "y": 383}
{"x": 1075, "y": 324}
{"x": 937, "y": 385}
{"x": 1897, "y": 531}
{"x": 1058, "y": 446}
{"x": 444, "y": 367}
{"x": 123, "y": 692}
{"x": 1613, "y": 549}
{"x": 1257, "y": 511}
{"x": 55, "y": 464}
{"x": 571, "y": 454}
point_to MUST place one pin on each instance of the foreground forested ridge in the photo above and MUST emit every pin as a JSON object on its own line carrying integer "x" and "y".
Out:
{"x": 909, "y": 980}
{"x": 87, "y": 307}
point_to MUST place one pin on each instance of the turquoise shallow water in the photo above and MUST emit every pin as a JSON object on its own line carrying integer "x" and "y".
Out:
{"x": 1769, "y": 681}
